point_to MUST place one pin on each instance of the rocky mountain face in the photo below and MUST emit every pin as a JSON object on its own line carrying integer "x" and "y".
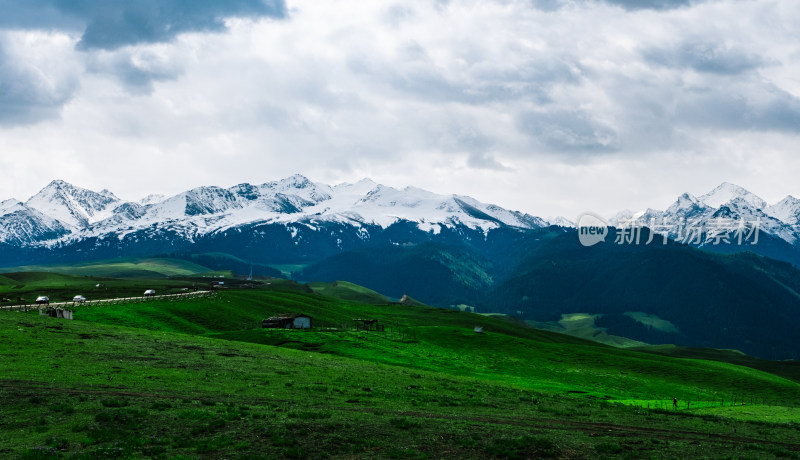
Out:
{"x": 289, "y": 219}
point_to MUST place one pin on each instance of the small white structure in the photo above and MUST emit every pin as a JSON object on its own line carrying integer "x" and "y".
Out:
{"x": 479, "y": 329}
{"x": 301, "y": 322}
{"x": 287, "y": 321}
{"x": 150, "y": 293}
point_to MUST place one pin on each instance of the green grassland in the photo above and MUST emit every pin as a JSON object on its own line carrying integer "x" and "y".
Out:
{"x": 788, "y": 369}
{"x": 443, "y": 340}
{"x": 200, "y": 379}
{"x": 87, "y": 390}
{"x": 62, "y": 288}
{"x": 349, "y": 291}
{"x": 147, "y": 268}
{"x": 583, "y": 325}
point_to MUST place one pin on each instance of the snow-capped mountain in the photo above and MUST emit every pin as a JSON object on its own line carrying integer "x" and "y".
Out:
{"x": 295, "y": 218}
{"x": 151, "y": 199}
{"x": 22, "y": 225}
{"x": 787, "y": 210}
{"x": 726, "y": 193}
{"x": 73, "y": 206}
{"x": 728, "y": 205}
{"x": 65, "y": 214}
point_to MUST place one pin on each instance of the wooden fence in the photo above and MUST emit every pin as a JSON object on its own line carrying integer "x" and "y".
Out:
{"x": 181, "y": 296}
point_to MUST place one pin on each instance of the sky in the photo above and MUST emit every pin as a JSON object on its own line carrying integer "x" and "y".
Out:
{"x": 551, "y": 107}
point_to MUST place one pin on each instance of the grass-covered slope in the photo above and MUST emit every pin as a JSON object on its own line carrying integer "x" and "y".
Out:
{"x": 129, "y": 267}
{"x": 62, "y": 288}
{"x": 714, "y": 300}
{"x": 76, "y": 389}
{"x": 221, "y": 261}
{"x": 737, "y": 301}
{"x": 349, "y": 291}
{"x": 444, "y": 341}
{"x": 437, "y": 274}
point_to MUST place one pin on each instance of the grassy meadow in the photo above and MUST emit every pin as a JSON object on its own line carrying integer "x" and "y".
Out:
{"x": 130, "y": 267}
{"x": 201, "y": 379}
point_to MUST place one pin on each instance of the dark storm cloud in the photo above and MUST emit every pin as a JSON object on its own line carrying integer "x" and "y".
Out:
{"x": 652, "y": 4}
{"x": 29, "y": 95}
{"x": 568, "y": 131}
{"x": 485, "y": 79}
{"x": 136, "y": 73}
{"x": 33, "y": 92}
{"x": 486, "y": 161}
{"x": 547, "y": 5}
{"x": 110, "y": 24}
{"x": 629, "y": 5}
{"x": 764, "y": 108}
{"x": 704, "y": 57}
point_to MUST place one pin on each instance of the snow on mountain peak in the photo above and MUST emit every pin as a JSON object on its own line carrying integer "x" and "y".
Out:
{"x": 295, "y": 181}
{"x": 153, "y": 198}
{"x": 786, "y": 210}
{"x": 9, "y": 206}
{"x": 687, "y": 200}
{"x": 74, "y": 206}
{"x": 300, "y": 186}
{"x": 560, "y": 221}
{"x": 727, "y": 192}
{"x": 58, "y": 183}
{"x": 63, "y": 210}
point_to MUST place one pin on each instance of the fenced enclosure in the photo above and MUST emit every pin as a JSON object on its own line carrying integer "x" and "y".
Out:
{"x": 180, "y": 296}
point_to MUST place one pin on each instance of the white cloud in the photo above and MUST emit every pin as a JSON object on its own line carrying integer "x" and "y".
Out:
{"x": 550, "y": 107}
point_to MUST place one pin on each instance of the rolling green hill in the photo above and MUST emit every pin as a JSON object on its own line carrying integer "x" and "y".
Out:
{"x": 437, "y": 274}
{"x": 201, "y": 378}
{"x": 221, "y": 261}
{"x": 349, "y": 291}
{"x": 509, "y": 352}
{"x": 737, "y": 301}
{"x": 88, "y": 390}
{"x": 62, "y": 288}
{"x": 145, "y": 268}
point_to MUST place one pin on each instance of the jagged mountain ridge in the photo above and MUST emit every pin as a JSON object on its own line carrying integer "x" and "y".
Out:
{"x": 726, "y": 202}
{"x": 63, "y": 214}
{"x": 297, "y": 219}
{"x": 73, "y": 206}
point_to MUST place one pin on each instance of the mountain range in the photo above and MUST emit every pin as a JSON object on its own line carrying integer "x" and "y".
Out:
{"x": 62, "y": 215}
{"x": 449, "y": 250}
{"x": 773, "y": 230}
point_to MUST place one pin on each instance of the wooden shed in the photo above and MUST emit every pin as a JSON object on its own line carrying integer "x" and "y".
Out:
{"x": 288, "y": 321}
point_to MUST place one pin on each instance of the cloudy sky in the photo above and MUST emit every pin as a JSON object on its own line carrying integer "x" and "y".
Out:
{"x": 552, "y": 107}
